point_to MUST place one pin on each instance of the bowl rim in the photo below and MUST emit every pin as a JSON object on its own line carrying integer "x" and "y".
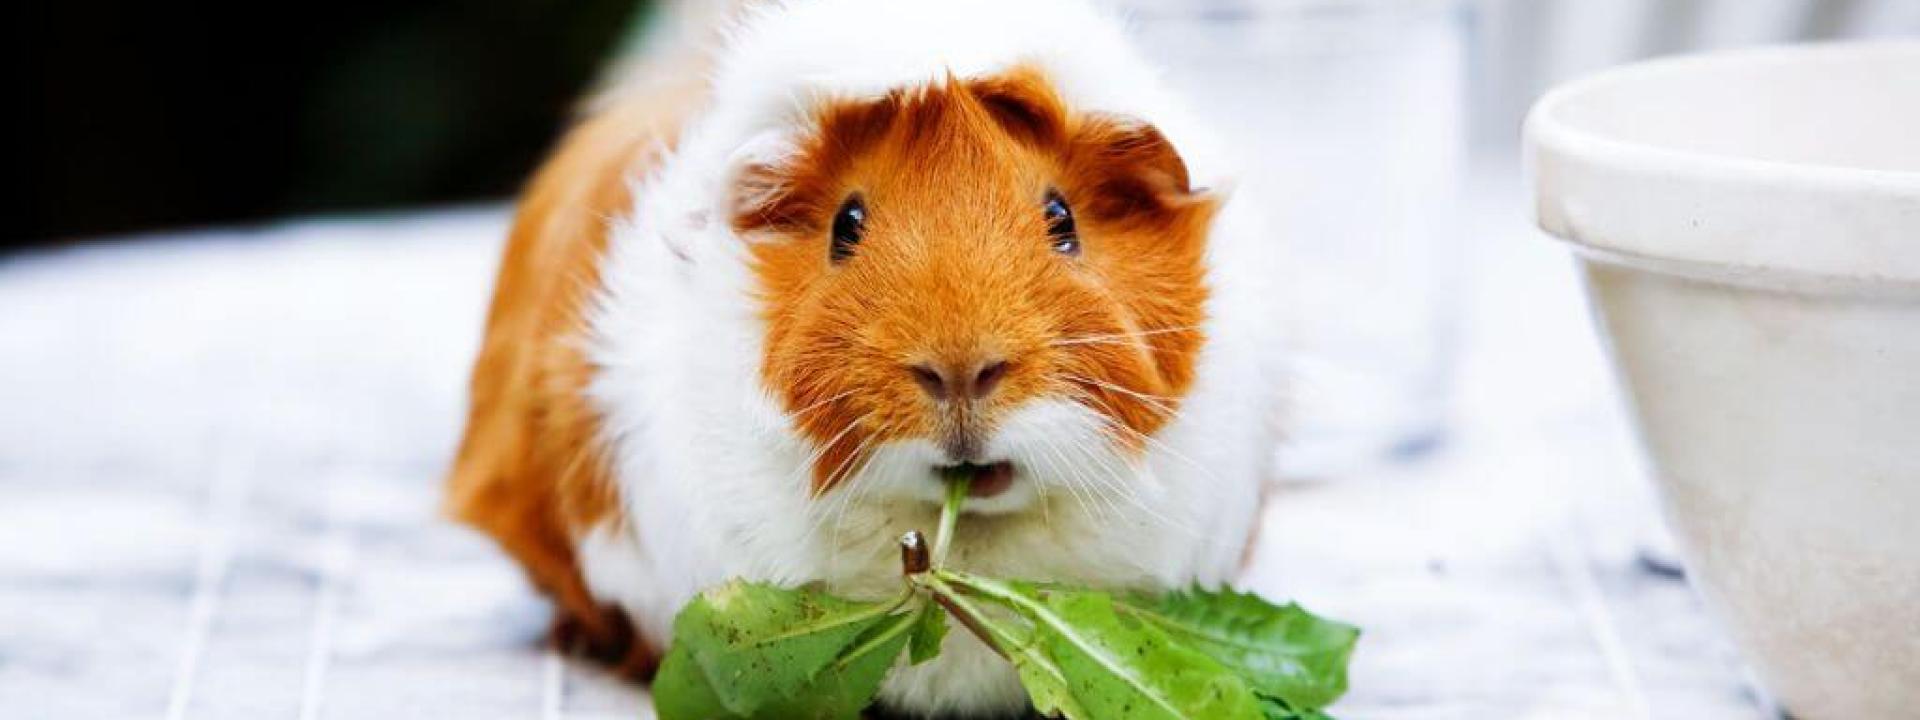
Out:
{"x": 1568, "y": 167}
{"x": 1544, "y": 126}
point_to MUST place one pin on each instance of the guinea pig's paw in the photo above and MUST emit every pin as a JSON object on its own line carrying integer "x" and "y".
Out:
{"x": 607, "y": 637}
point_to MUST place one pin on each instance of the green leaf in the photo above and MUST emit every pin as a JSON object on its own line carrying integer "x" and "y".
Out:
{"x": 1047, "y": 687}
{"x": 928, "y": 632}
{"x": 748, "y": 650}
{"x": 757, "y": 652}
{"x": 681, "y": 690}
{"x": 847, "y": 687}
{"x": 1276, "y": 709}
{"x": 1110, "y": 667}
{"x": 1119, "y": 669}
{"x": 1283, "y": 652}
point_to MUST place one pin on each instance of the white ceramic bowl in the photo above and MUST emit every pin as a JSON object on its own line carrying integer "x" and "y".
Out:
{"x": 1749, "y": 227}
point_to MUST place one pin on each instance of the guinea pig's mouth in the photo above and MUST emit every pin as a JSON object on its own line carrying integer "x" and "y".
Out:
{"x": 986, "y": 480}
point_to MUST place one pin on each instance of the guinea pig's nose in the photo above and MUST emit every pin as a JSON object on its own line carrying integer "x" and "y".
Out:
{"x": 945, "y": 381}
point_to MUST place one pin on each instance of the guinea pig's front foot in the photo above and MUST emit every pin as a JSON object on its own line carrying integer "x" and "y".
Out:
{"x": 607, "y": 638}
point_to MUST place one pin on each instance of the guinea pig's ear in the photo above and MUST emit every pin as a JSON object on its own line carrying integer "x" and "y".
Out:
{"x": 1025, "y": 105}
{"x": 1133, "y": 174}
{"x": 764, "y": 191}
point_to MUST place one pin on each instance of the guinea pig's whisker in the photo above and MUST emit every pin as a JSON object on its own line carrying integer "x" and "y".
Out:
{"x": 802, "y": 412}
{"x": 1117, "y": 481}
{"x": 833, "y": 512}
{"x": 1106, "y": 410}
{"x": 1091, "y": 339}
{"x": 1086, "y": 478}
{"x": 1045, "y": 463}
{"x": 1161, "y": 404}
{"x": 819, "y": 452}
{"x": 1054, "y": 462}
{"x": 1089, "y": 477}
{"x": 1172, "y": 453}
{"x": 1126, "y": 345}
{"x": 1046, "y": 513}
{"x": 859, "y": 480}
{"x": 1120, "y": 431}
{"x": 1105, "y": 479}
{"x": 828, "y": 445}
{"x": 1120, "y": 388}
{"x": 834, "y": 477}
{"x": 853, "y": 486}
{"x": 794, "y": 417}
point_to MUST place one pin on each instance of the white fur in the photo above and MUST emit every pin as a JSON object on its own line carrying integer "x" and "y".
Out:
{"x": 715, "y": 480}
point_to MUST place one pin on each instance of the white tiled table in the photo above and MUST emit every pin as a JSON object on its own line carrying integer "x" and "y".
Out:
{"x": 219, "y": 454}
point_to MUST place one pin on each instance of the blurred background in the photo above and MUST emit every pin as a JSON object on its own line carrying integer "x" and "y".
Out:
{"x": 143, "y": 116}
{"x": 258, "y": 239}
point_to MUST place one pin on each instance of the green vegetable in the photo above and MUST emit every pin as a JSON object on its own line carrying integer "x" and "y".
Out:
{"x": 748, "y": 650}
{"x": 1273, "y": 709}
{"x": 1282, "y": 652}
{"x": 928, "y": 631}
{"x": 1116, "y": 667}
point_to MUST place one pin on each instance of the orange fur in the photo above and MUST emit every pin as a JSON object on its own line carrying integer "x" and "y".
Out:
{"x": 530, "y": 470}
{"x": 956, "y": 266}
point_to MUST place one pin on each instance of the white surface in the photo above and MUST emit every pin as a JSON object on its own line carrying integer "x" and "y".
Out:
{"x": 1760, "y": 283}
{"x": 219, "y": 458}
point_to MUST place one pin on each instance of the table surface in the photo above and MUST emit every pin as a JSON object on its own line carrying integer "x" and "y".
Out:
{"x": 220, "y": 450}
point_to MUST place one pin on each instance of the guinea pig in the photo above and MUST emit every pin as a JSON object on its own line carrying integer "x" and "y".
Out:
{"x": 762, "y": 296}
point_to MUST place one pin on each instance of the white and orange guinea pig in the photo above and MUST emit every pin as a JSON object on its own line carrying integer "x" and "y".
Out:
{"x": 766, "y": 292}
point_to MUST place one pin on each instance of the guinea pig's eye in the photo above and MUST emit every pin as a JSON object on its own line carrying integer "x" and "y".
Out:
{"x": 1060, "y": 225}
{"x": 849, "y": 223}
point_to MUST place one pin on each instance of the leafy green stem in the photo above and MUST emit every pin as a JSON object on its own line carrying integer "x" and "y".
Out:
{"x": 1015, "y": 645}
{"x": 957, "y": 481}
{"x": 997, "y": 637}
{"x": 896, "y": 626}
{"x": 1041, "y": 615}
{"x": 990, "y": 588}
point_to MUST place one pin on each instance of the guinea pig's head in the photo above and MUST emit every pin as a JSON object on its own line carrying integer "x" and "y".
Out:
{"x": 971, "y": 273}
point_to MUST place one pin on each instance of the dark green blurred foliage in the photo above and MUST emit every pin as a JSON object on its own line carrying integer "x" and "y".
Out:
{"x": 149, "y": 115}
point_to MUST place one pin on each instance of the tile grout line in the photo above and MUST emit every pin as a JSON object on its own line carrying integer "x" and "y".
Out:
{"x": 226, "y": 496}
{"x": 337, "y": 560}
{"x": 1601, "y": 627}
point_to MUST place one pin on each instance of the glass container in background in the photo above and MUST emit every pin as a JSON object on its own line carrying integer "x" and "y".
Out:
{"x": 1347, "y": 117}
